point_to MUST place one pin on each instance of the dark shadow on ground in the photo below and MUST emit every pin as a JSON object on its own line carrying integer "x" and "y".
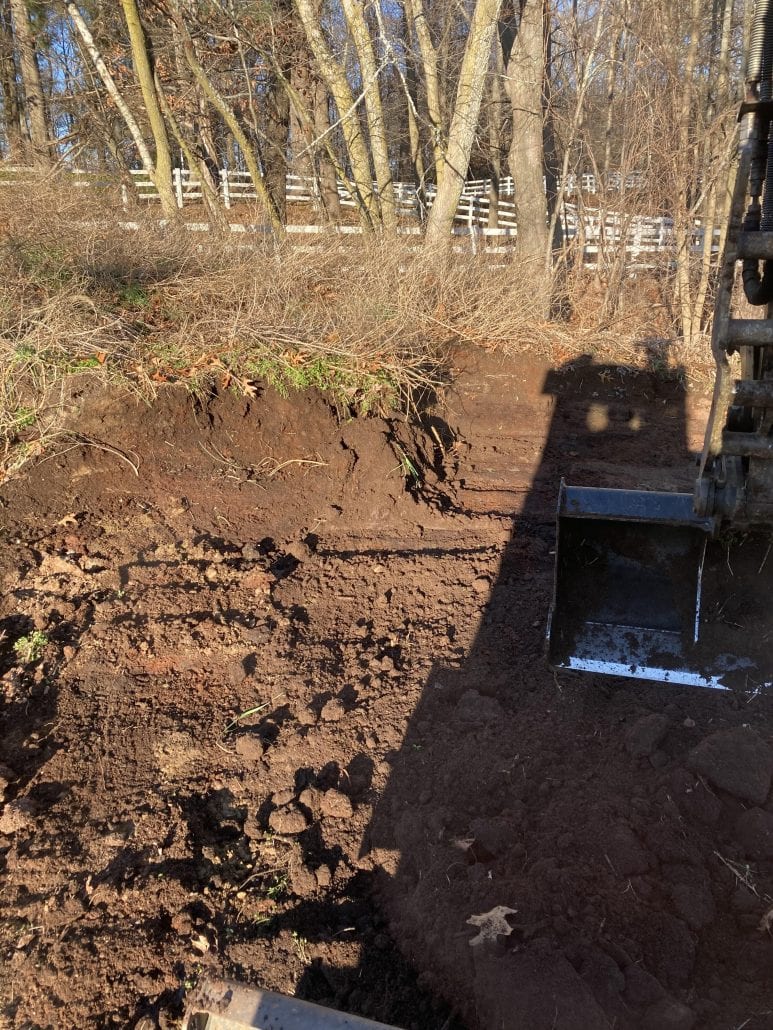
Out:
{"x": 512, "y": 789}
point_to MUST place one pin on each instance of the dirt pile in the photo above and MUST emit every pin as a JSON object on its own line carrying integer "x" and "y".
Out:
{"x": 291, "y": 724}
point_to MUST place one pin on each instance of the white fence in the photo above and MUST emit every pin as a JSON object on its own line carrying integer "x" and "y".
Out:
{"x": 600, "y": 235}
{"x": 233, "y": 186}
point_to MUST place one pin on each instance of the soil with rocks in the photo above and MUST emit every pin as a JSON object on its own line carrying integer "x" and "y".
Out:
{"x": 287, "y": 719}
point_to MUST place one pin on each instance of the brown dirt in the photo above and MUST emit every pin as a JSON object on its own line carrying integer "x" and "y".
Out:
{"x": 405, "y": 761}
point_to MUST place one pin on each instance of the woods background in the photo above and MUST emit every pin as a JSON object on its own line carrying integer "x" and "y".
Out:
{"x": 643, "y": 95}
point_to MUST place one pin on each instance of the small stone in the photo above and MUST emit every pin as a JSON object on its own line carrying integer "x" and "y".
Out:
{"x": 332, "y": 711}
{"x": 668, "y": 1014}
{"x": 646, "y": 733}
{"x": 303, "y": 880}
{"x": 689, "y": 724}
{"x": 299, "y": 550}
{"x": 737, "y": 761}
{"x": 642, "y": 989}
{"x": 754, "y": 831}
{"x": 624, "y": 850}
{"x": 306, "y": 717}
{"x": 182, "y": 923}
{"x": 324, "y": 876}
{"x": 287, "y": 820}
{"x": 235, "y": 673}
{"x": 250, "y": 748}
{"x": 7, "y": 776}
{"x": 16, "y": 816}
{"x": 694, "y": 903}
{"x": 336, "y": 805}
{"x": 283, "y": 797}
{"x": 481, "y": 584}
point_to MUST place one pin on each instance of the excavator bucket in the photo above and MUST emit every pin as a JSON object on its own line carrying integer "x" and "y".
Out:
{"x": 644, "y": 589}
{"x": 628, "y": 584}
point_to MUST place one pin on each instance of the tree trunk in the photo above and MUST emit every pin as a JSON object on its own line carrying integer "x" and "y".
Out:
{"x": 109, "y": 83}
{"x": 328, "y": 179}
{"x": 309, "y": 104}
{"x": 585, "y": 71}
{"x": 464, "y": 122}
{"x": 162, "y": 171}
{"x": 34, "y": 105}
{"x": 195, "y": 161}
{"x": 414, "y": 10}
{"x": 374, "y": 112}
{"x": 715, "y": 207}
{"x": 495, "y": 143}
{"x": 525, "y": 68}
{"x": 335, "y": 78}
{"x": 229, "y": 117}
{"x": 682, "y": 219}
{"x": 277, "y": 136}
{"x": 12, "y": 114}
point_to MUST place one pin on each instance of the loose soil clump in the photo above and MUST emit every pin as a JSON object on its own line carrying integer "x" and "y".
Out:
{"x": 287, "y": 719}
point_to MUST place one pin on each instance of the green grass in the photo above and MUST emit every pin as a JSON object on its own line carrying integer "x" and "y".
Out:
{"x": 30, "y": 649}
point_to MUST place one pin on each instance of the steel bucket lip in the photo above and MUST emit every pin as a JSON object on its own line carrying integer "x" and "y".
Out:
{"x": 658, "y": 507}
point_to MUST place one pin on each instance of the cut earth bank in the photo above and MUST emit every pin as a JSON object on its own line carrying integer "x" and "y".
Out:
{"x": 291, "y": 723}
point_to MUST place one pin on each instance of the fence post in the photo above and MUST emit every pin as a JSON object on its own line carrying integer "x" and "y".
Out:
{"x": 225, "y": 183}
{"x": 178, "y": 186}
{"x": 637, "y": 235}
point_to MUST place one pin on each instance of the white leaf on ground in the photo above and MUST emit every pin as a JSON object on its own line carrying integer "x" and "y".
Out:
{"x": 766, "y": 923}
{"x": 492, "y": 924}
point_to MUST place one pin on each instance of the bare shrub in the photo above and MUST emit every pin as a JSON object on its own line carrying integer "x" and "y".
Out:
{"x": 367, "y": 320}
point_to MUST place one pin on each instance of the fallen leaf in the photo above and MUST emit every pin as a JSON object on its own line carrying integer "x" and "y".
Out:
{"x": 492, "y": 924}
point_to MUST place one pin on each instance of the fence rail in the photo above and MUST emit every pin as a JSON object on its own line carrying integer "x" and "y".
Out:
{"x": 598, "y": 235}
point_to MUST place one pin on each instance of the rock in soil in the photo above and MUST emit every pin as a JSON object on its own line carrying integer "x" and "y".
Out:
{"x": 287, "y": 820}
{"x": 736, "y": 760}
{"x": 335, "y": 805}
{"x": 643, "y": 737}
{"x": 754, "y": 832}
{"x": 667, "y": 1014}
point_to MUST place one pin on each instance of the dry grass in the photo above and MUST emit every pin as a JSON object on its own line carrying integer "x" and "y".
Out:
{"x": 369, "y": 322}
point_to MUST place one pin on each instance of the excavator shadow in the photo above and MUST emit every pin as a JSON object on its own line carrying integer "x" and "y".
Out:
{"x": 502, "y": 813}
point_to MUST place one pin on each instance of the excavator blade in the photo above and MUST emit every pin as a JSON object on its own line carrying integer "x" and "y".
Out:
{"x": 629, "y": 588}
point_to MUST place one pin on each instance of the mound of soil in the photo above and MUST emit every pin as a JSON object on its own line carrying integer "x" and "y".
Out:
{"x": 291, "y": 724}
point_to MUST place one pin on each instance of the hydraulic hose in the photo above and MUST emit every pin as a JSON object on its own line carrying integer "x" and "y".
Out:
{"x": 760, "y": 59}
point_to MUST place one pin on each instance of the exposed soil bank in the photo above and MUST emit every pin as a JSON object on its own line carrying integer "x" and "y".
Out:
{"x": 293, "y": 725}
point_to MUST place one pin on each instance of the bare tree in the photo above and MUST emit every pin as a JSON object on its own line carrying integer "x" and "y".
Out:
{"x": 334, "y": 76}
{"x": 523, "y": 43}
{"x": 110, "y": 85}
{"x": 34, "y": 104}
{"x": 162, "y": 168}
{"x": 464, "y": 122}
{"x": 13, "y": 117}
